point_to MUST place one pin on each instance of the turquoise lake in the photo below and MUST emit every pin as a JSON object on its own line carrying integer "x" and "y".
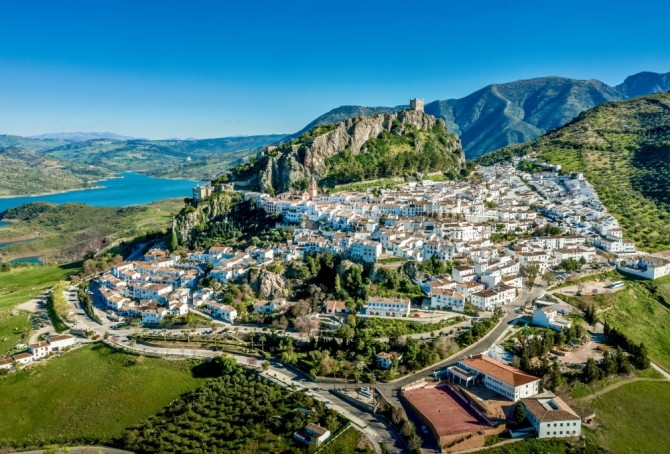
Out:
{"x": 132, "y": 189}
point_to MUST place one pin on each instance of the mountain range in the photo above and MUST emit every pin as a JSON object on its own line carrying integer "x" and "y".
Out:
{"x": 505, "y": 114}
{"x": 82, "y": 136}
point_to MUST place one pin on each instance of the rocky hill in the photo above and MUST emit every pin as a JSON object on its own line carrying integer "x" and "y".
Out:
{"x": 623, "y": 148}
{"x": 361, "y": 148}
{"x": 506, "y": 114}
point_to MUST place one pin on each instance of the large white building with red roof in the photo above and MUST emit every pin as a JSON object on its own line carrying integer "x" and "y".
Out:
{"x": 506, "y": 380}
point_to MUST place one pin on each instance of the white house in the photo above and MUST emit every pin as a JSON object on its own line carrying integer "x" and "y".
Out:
{"x": 447, "y": 299}
{"x": 224, "y": 311}
{"x": 647, "y": 267}
{"x": 548, "y": 317}
{"x": 39, "y": 349}
{"x": 269, "y": 307}
{"x": 486, "y": 300}
{"x": 551, "y": 417}
{"x": 336, "y": 307}
{"x": 368, "y": 251}
{"x": 506, "y": 380}
{"x": 60, "y": 342}
{"x": 158, "y": 292}
{"x": 312, "y": 434}
{"x": 388, "y": 307}
{"x": 6, "y": 363}
{"x": 23, "y": 358}
{"x": 153, "y": 315}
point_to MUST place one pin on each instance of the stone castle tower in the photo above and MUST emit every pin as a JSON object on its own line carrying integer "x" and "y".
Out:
{"x": 416, "y": 104}
{"x": 313, "y": 190}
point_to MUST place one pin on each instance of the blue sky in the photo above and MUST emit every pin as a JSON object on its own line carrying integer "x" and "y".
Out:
{"x": 201, "y": 69}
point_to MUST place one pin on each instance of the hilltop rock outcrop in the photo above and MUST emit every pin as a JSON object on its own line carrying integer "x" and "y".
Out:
{"x": 297, "y": 162}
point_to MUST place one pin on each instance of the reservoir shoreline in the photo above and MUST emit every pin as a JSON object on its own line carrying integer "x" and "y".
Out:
{"x": 128, "y": 189}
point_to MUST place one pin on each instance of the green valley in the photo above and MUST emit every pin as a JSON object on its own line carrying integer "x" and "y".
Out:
{"x": 68, "y": 232}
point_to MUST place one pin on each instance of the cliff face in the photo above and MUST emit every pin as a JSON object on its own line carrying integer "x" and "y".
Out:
{"x": 184, "y": 224}
{"x": 299, "y": 162}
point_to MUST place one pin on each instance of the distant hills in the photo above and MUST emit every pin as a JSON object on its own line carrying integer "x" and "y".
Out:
{"x": 623, "y": 149}
{"x": 505, "y": 114}
{"x": 24, "y": 172}
{"x": 29, "y": 163}
{"x": 82, "y": 136}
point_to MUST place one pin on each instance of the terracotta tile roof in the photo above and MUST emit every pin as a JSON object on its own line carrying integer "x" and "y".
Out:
{"x": 543, "y": 409}
{"x": 498, "y": 370}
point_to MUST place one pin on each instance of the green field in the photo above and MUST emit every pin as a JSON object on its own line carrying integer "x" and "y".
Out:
{"x": 635, "y": 418}
{"x": 532, "y": 446}
{"x": 347, "y": 443}
{"x": 13, "y": 325}
{"x": 90, "y": 394}
{"x": 23, "y": 283}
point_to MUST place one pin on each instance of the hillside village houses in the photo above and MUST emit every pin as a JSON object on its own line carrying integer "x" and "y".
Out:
{"x": 451, "y": 220}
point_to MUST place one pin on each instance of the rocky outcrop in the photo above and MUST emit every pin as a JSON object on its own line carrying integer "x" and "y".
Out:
{"x": 300, "y": 161}
{"x": 185, "y": 222}
{"x": 344, "y": 266}
{"x": 413, "y": 270}
{"x": 265, "y": 284}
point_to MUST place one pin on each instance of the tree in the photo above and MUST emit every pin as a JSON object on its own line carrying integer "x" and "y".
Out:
{"x": 549, "y": 277}
{"x": 555, "y": 377}
{"x": 623, "y": 365}
{"x": 346, "y": 332}
{"x": 591, "y": 372}
{"x": 262, "y": 339}
{"x": 174, "y": 242}
{"x": 609, "y": 364}
{"x": 519, "y": 412}
{"x": 531, "y": 271}
{"x": 306, "y": 325}
{"x": 582, "y": 260}
{"x": 281, "y": 323}
{"x": 329, "y": 366}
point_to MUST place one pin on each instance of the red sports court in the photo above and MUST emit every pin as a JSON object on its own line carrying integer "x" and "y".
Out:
{"x": 447, "y": 412}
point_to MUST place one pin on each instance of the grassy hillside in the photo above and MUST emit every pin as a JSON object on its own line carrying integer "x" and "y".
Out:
{"x": 623, "y": 148}
{"x": 632, "y": 419}
{"x": 641, "y": 310}
{"x": 90, "y": 394}
{"x": 23, "y": 283}
{"x": 67, "y": 232}
{"x": 24, "y": 172}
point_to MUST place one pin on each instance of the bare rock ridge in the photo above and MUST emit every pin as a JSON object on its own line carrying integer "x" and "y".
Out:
{"x": 303, "y": 160}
